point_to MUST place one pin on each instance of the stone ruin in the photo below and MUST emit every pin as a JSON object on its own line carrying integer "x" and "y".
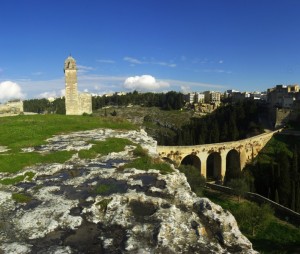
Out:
{"x": 76, "y": 103}
{"x": 14, "y": 107}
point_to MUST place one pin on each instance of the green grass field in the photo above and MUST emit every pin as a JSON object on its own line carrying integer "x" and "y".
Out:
{"x": 23, "y": 131}
{"x": 27, "y": 131}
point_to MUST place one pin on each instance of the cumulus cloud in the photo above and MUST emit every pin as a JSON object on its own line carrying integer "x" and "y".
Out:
{"x": 144, "y": 83}
{"x": 185, "y": 88}
{"x": 10, "y": 90}
{"x": 52, "y": 94}
{"x": 62, "y": 92}
{"x": 48, "y": 95}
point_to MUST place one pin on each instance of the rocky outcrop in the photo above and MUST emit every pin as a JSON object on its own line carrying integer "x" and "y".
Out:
{"x": 100, "y": 206}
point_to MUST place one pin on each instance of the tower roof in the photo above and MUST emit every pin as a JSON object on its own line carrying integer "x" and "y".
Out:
{"x": 70, "y": 59}
{"x": 70, "y": 63}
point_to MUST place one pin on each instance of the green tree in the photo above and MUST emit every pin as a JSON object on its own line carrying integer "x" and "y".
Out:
{"x": 215, "y": 134}
{"x": 233, "y": 130}
{"x": 224, "y": 132}
{"x": 239, "y": 187}
{"x": 276, "y": 196}
{"x": 284, "y": 180}
{"x": 194, "y": 178}
{"x": 252, "y": 218}
{"x": 297, "y": 208}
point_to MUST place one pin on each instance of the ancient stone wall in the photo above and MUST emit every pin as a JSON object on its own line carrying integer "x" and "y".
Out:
{"x": 11, "y": 108}
{"x": 85, "y": 103}
{"x": 282, "y": 117}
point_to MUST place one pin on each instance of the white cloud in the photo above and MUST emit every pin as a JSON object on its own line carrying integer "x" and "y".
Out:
{"x": 84, "y": 69}
{"x": 48, "y": 95}
{"x": 193, "y": 86}
{"x": 221, "y": 61}
{"x": 185, "y": 89}
{"x": 10, "y": 90}
{"x": 107, "y": 61}
{"x": 38, "y": 73}
{"x": 144, "y": 83}
{"x": 217, "y": 71}
{"x": 52, "y": 94}
{"x": 106, "y": 84}
{"x": 132, "y": 60}
{"x": 172, "y": 65}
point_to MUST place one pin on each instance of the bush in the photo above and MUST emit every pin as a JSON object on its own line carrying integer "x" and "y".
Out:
{"x": 252, "y": 217}
{"x": 239, "y": 187}
{"x": 194, "y": 178}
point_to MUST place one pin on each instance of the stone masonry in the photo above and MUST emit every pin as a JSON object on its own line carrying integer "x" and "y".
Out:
{"x": 246, "y": 150}
{"x": 11, "y": 108}
{"x": 76, "y": 103}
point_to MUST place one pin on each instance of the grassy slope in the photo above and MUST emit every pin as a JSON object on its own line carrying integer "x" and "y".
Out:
{"x": 24, "y": 131}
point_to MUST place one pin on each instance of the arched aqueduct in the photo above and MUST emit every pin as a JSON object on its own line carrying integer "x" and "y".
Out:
{"x": 212, "y": 159}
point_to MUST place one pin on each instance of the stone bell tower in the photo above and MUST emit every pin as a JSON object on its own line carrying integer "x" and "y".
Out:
{"x": 76, "y": 103}
{"x": 71, "y": 94}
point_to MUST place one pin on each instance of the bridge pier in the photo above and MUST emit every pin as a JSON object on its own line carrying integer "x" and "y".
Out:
{"x": 223, "y": 164}
{"x": 203, "y": 169}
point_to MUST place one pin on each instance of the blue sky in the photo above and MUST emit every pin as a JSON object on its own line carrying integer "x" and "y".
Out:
{"x": 191, "y": 45}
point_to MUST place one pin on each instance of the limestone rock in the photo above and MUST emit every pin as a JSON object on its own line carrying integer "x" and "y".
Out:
{"x": 98, "y": 206}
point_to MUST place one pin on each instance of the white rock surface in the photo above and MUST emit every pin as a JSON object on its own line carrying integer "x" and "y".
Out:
{"x": 92, "y": 205}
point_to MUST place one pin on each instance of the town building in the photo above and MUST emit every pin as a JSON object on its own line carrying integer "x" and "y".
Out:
{"x": 283, "y": 96}
{"x": 212, "y": 97}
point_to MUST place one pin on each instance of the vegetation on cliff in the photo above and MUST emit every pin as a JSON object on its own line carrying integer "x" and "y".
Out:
{"x": 228, "y": 123}
{"x": 267, "y": 233}
{"x": 276, "y": 171}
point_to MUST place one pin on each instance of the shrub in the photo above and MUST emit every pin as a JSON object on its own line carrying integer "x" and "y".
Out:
{"x": 239, "y": 187}
{"x": 252, "y": 217}
{"x": 195, "y": 179}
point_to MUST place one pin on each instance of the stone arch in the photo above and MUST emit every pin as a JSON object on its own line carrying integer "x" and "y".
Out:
{"x": 192, "y": 160}
{"x": 213, "y": 166}
{"x": 233, "y": 165}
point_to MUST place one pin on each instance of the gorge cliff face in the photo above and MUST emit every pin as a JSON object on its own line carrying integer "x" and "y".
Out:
{"x": 100, "y": 206}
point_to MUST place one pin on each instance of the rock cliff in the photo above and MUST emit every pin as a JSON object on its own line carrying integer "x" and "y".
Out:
{"x": 100, "y": 206}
